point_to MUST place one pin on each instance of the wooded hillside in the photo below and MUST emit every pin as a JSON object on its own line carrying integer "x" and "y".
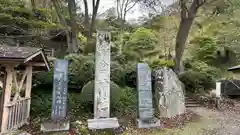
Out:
{"x": 212, "y": 45}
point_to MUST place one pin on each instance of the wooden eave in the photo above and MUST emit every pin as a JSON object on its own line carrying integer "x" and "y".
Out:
{"x": 40, "y": 65}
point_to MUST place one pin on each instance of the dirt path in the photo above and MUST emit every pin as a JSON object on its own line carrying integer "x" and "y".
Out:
{"x": 215, "y": 122}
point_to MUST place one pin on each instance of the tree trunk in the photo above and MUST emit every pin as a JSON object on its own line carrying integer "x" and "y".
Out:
{"x": 94, "y": 15}
{"x": 33, "y": 3}
{"x": 64, "y": 23}
{"x": 182, "y": 35}
{"x": 74, "y": 29}
{"x": 86, "y": 19}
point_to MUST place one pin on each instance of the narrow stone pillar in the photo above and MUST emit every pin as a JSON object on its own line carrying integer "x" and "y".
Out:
{"x": 102, "y": 84}
{"x": 146, "y": 117}
{"x": 218, "y": 89}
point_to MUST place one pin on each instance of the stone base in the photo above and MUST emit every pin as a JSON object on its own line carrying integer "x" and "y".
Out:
{"x": 55, "y": 126}
{"x": 151, "y": 123}
{"x": 103, "y": 123}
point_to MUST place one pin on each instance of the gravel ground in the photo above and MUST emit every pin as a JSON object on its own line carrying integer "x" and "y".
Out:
{"x": 225, "y": 121}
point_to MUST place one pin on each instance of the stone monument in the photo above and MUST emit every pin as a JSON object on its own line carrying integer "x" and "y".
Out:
{"x": 169, "y": 93}
{"x": 59, "y": 120}
{"x": 102, "y": 118}
{"x": 146, "y": 117}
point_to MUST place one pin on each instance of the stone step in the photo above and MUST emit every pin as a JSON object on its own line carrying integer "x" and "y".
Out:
{"x": 189, "y": 102}
{"x": 194, "y": 102}
{"x": 192, "y": 105}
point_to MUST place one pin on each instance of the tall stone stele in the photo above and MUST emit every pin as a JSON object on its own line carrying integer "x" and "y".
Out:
{"x": 59, "y": 121}
{"x": 102, "y": 118}
{"x": 146, "y": 117}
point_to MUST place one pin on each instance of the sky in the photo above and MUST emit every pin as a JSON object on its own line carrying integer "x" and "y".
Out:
{"x": 135, "y": 13}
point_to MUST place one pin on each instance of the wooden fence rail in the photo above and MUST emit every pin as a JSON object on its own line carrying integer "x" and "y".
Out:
{"x": 17, "y": 115}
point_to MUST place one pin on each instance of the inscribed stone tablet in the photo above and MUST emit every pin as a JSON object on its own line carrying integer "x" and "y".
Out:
{"x": 59, "y": 102}
{"x": 145, "y": 99}
{"x": 102, "y": 77}
{"x": 145, "y": 113}
{"x": 144, "y": 91}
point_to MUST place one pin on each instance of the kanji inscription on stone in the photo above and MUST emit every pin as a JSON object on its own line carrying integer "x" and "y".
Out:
{"x": 60, "y": 88}
{"x": 145, "y": 105}
{"x": 102, "y": 85}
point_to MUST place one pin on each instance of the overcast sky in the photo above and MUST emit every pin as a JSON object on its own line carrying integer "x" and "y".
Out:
{"x": 135, "y": 13}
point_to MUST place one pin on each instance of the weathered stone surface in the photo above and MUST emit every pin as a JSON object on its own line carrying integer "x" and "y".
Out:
{"x": 145, "y": 105}
{"x": 55, "y": 126}
{"x": 102, "y": 76}
{"x": 144, "y": 86}
{"x": 102, "y": 85}
{"x": 60, "y": 90}
{"x": 170, "y": 93}
{"x": 154, "y": 122}
{"x": 59, "y": 102}
{"x": 105, "y": 123}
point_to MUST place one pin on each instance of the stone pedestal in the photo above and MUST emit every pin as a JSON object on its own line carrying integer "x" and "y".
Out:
{"x": 55, "y": 126}
{"x": 150, "y": 123}
{"x": 103, "y": 123}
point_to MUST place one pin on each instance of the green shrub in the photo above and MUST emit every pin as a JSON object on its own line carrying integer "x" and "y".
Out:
{"x": 117, "y": 73}
{"x": 43, "y": 14}
{"x": 130, "y": 74}
{"x": 206, "y": 50}
{"x": 209, "y": 71}
{"x": 8, "y": 3}
{"x": 89, "y": 47}
{"x": 126, "y": 103}
{"x": 81, "y": 69}
{"x": 87, "y": 95}
{"x": 43, "y": 80}
{"x": 161, "y": 62}
{"x": 41, "y": 103}
{"x": 195, "y": 81}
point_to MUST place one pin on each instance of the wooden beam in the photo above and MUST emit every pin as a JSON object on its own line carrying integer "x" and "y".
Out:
{"x": 7, "y": 95}
{"x": 32, "y": 56}
{"x": 2, "y": 97}
{"x": 36, "y": 54}
{"x": 45, "y": 60}
{"x": 28, "y": 89}
{"x": 39, "y": 64}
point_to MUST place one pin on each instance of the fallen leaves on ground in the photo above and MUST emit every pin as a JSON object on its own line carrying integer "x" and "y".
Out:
{"x": 127, "y": 126}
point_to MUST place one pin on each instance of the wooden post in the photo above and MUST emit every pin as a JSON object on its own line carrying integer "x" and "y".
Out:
{"x": 218, "y": 94}
{"x": 2, "y": 95}
{"x": 28, "y": 89}
{"x": 52, "y": 53}
{"x": 7, "y": 95}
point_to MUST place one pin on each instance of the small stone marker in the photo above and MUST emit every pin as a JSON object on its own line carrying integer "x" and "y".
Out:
{"x": 218, "y": 89}
{"x": 145, "y": 105}
{"x": 102, "y": 85}
{"x": 59, "y": 101}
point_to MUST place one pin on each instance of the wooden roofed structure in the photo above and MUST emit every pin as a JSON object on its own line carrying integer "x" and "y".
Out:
{"x": 18, "y": 64}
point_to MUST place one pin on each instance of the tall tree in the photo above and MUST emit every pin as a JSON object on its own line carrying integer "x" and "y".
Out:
{"x": 188, "y": 13}
{"x": 123, "y": 7}
{"x": 72, "y": 8}
{"x": 71, "y": 34}
{"x": 90, "y": 23}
